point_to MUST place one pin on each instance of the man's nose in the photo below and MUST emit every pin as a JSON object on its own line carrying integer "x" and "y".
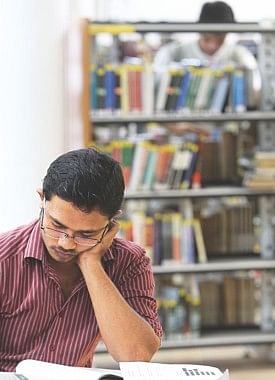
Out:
{"x": 67, "y": 242}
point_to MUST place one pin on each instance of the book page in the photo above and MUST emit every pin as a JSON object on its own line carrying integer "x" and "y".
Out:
{"x": 157, "y": 371}
{"x": 39, "y": 370}
{"x": 11, "y": 376}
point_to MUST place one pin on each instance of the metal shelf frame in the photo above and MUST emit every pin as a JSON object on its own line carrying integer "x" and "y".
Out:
{"x": 221, "y": 266}
{"x": 221, "y": 340}
{"x": 182, "y": 117}
{"x": 198, "y": 193}
{"x": 180, "y": 27}
{"x": 214, "y": 340}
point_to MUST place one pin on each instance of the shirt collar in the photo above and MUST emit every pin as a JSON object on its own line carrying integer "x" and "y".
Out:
{"x": 108, "y": 255}
{"x": 35, "y": 247}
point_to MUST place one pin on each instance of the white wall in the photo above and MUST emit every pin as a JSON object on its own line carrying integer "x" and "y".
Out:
{"x": 31, "y": 101}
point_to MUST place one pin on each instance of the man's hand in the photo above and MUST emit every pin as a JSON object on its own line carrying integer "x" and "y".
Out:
{"x": 127, "y": 336}
{"x": 94, "y": 254}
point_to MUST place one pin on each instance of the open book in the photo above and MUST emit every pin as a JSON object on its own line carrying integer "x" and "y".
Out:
{"x": 38, "y": 370}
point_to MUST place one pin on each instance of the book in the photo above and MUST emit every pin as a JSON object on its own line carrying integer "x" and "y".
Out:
{"x": 124, "y": 90}
{"x": 211, "y": 302}
{"x": 246, "y": 301}
{"x": 100, "y": 88}
{"x": 139, "y": 163}
{"x": 149, "y": 168}
{"x": 161, "y": 93}
{"x": 158, "y": 240}
{"x": 220, "y": 94}
{"x": 201, "y": 98}
{"x": 230, "y": 296}
{"x": 40, "y": 370}
{"x": 172, "y": 90}
{"x": 186, "y": 182}
{"x": 188, "y": 248}
{"x": 259, "y": 183}
{"x": 147, "y": 90}
{"x": 35, "y": 369}
{"x": 183, "y": 89}
{"x": 181, "y": 162}
{"x": 239, "y": 96}
{"x": 117, "y": 89}
{"x": 176, "y": 236}
{"x": 109, "y": 84}
{"x": 199, "y": 239}
{"x": 166, "y": 231}
{"x": 93, "y": 88}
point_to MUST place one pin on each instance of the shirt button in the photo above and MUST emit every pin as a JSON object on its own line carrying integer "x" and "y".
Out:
{"x": 52, "y": 347}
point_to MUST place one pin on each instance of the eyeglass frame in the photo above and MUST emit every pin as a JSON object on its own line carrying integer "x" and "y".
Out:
{"x": 65, "y": 235}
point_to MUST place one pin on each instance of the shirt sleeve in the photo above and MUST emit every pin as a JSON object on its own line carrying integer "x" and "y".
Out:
{"x": 137, "y": 286}
{"x": 246, "y": 60}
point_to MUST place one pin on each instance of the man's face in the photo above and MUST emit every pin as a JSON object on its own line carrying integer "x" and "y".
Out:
{"x": 67, "y": 231}
{"x": 211, "y": 42}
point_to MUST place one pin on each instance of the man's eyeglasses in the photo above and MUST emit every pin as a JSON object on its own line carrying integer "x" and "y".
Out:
{"x": 78, "y": 239}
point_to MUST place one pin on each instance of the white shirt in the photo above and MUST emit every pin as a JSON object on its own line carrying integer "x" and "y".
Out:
{"x": 226, "y": 54}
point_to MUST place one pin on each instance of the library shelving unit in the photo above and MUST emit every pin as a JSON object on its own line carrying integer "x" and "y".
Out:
{"x": 264, "y": 117}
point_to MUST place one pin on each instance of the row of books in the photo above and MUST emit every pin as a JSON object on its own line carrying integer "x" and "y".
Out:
{"x": 202, "y": 89}
{"x": 123, "y": 88}
{"x": 231, "y": 301}
{"x": 214, "y": 231}
{"x": 263, "y": 174}
{"x": 167, "y": 237}
{"x": 179, "y": 307}
{"x": 135, "y": 88}
{"x": 195, "y": 305}
{"x": 150, "y": 165}
{"x": 147, "y": 165}
{"x": 229, "y": 228}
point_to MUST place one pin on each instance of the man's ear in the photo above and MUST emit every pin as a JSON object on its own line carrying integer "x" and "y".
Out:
{"x": 119, "y": 213}
{"x": 41, "y": 195}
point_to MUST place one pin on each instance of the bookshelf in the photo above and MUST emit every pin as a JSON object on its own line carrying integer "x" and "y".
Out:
{"x": 259, "y": 267}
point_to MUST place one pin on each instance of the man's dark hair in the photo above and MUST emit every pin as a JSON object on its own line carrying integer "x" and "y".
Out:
{"x": 216, "y": 12}
{"x": 87, "y": 178}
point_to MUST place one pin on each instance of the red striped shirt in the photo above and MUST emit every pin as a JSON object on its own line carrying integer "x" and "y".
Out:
{"x": 36, "y": 322}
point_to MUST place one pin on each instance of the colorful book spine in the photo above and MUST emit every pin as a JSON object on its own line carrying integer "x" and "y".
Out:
{"x": 181, "y": 100}
{"x": 239, "y": 96}
{"x": 93, "y": 88}
{"x": 100, "y": 88}
{"x": 109, "y": 83}
{"x": 186, "y": 181}
{"x": 220, "y": 94}
{"x": 148, "y": 91}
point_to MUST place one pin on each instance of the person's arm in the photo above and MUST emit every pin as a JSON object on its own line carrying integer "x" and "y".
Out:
{"x": 246, "y": 59}
{"x": 164, "y": 57}
{"x": 127, "y": 336}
